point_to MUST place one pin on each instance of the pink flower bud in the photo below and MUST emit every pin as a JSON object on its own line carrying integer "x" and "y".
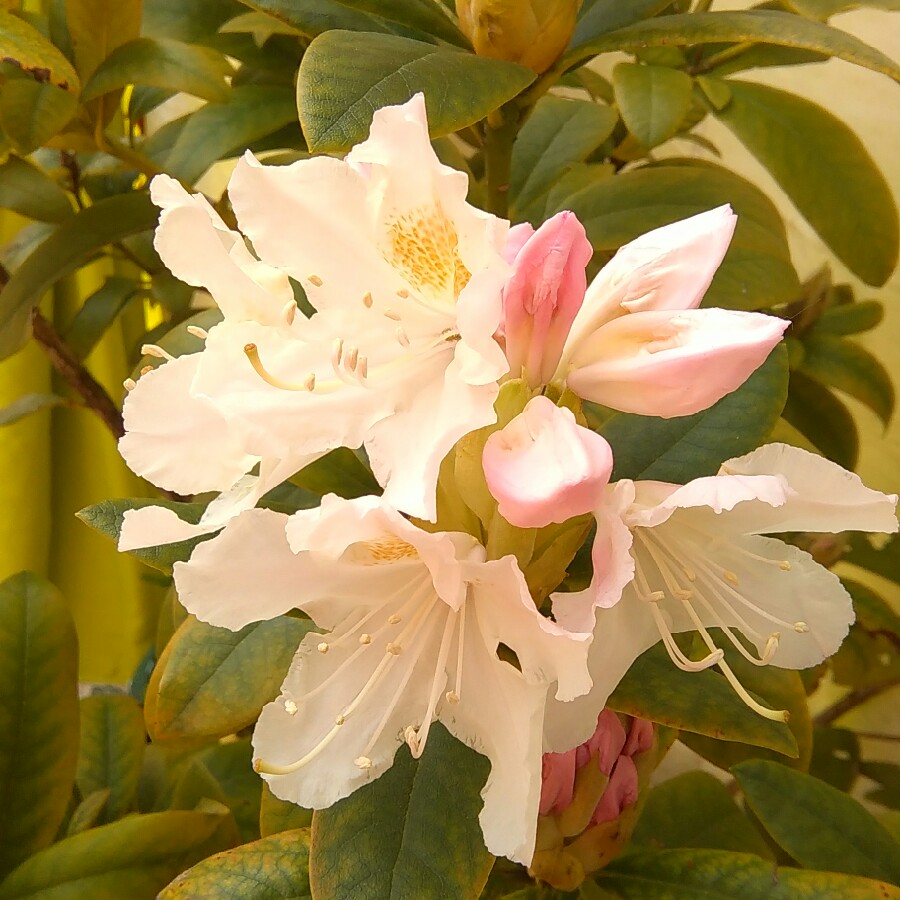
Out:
{"x": 640, "y": 738}
{"x": 544, "y": 467}
{"x": 621, "y": 792}
{"x": 557, "y": 782}
{"x": 544, "y": 294}
{"x": 606, "y": 742}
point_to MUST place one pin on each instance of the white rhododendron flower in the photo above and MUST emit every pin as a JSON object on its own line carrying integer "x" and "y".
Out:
{"x": 414, "y": 622}
{"x": 700, "y": 560}
{"x": 634, "y": 339}
{"x": 400, "y": 356}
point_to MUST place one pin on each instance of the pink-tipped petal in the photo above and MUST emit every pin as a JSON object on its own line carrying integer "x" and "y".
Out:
{"x": 620, "y": 793}
{"x": 544, "y": 294}
{"x": 672, "y": 364}
{"x": 557, "y": 782}
{"x": 543, "y": 467}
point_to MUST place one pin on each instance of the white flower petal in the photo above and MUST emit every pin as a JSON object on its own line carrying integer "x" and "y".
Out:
{"x": 197, "y": 247}
{"x": 151, "y": 526}
{"x": 822, "y": 496}
{"x": 177, "y": 440}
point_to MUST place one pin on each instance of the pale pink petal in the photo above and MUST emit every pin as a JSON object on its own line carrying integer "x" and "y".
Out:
{"x": 640, "y": 737}
{"x": 178, "y": 440}
{"x": 606, "y": 743}
{"x": 621, "y": 792}
{"x": 671, "y": 364}
{"x": 543, "y": 467}
{"x": 557, "y": 782}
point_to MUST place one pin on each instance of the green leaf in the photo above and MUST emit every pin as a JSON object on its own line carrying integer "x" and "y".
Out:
{"x": 558, "y": 134}
{"x": 26, "y": 405}
{"x": 111, "y": 751}
{"x": 884, "y": 560}
{"x": 757, "y": 269}
{"x": 163, "y": 63}
{"x": 88, "y": 812}
{"x": 826, "y": 171}
{"x": 385, "y": 839}
{"x": 835, "y": 758}
{"x": 98, "y": 313}
{"x": 346, "y": 76}
{"x": 31, "y": 112}
{"x": 134, "y": 858}
{"x": 679, "y": 449}
{"x": 756, "y": 26}
{"x": 339, "y": 472}
{"x": 846, "y": 366}
{"x": 107, "y": 516}
{"x": 38, "y": 715}
{"x": 758, "y": 56}
{"x": 274, "y": 868}
{"x": 70, "y": 246}
{"x": 602, "y": 18}
{"x": 221, "y": 129}
{"x": 25, "y": 47}
{"x": 718, "y": 875}
{"x": 699, "y": 702}
{"x": 423, "y": 17}
{"x": 696, "y": 810}
{"x": 314, "y": 17}
{"x": 211, "y": 681}
{"x": 818, "y": 825}
{"x": 817, "y": 414}
{"x": 869, "y": 655}
{"x": 26, "y": 189}
{"x": 850, "y": 318}
{"x": 823, "y": 9}
{"x": 653, "y": 100}
{"x": 277, "y": 815}
{"x": 97, "y": 27}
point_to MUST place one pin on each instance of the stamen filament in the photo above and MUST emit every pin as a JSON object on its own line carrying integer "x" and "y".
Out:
{"x": 156, "y": 351}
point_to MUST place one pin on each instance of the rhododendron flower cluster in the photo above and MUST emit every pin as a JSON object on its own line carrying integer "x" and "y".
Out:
{"x": 455, "y": 354}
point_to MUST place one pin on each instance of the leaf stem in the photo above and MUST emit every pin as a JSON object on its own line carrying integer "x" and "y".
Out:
{"x": 856, "y": 697}
{"x": 723, "y": 56}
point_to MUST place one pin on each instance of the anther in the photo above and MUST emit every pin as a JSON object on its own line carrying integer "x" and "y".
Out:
{"x": 198, "y": 332}
{"x": 365, "y": 639}
{"x": 362, "y": 370}
{"x": 146, "y": 369}
{"x": 310, "y": 383}
{"x": 363, "y": 762}
{"x": 730, "y": 577}
{"x": 682, "y": 594}
{"x": 315, "y": 280}
{"x": 411, "y": 737}
{"x": 157, "y": 351}
{"x": 290, "y": 707}
{"x": 402, "y": 337}
{"x": 390, "y": 314}
{"x": 784, "y": 565}
{"x": 337, "y": 351}
{"x": 771, "y": 646}
{"x": 289, "y": 311}
{"x": 403, "y": 293}
{"x": 322, "y": 647}
{"x": 452, "y": 697}
{"x": 339, "y": 720}
{"x": 656, "y": 596}
{"x": 801, "y": 627}
{"x": 129, "y": 384}
{"x": 367, "y": 300}
{"x": 393, "y": 619}
{"x": 351, "y": 358}
{"x": 393, "y": 649}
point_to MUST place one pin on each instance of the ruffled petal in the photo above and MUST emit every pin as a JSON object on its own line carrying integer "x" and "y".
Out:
{"x": 197, "y": 247}
{"x": 176, "y": 439}
{"x": 821, "y": 495}
{"x": 671, "y": 364}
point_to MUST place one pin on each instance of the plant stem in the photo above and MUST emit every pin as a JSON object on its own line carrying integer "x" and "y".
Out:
{"x": 500, "y": 132}
{"x": 850, "y": 701}
{"x": 723, "y": 56}
{"x": 75, "y": 374}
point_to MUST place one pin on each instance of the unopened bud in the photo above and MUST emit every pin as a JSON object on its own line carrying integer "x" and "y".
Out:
{"x": 531, "y": 32}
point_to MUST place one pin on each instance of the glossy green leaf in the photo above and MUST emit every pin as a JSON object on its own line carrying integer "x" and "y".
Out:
{"x": 884, "y": 559}
{"x": 677, "y": 450}
{"x": 385, "y": 839}
{"x": 845, "y": 365}
{"x": 558, "y": 133}
{"x": 280, "y": 815}
{"x": 346, "y": 76}
{"x": 869, "y": 657}
{"x": 696, "y": 810}
{"x": 835, "y": 758}
{"x": 24, "y": 46}
{"x": 818, "y": 825}
{"x": 221, "y": 129}
{"x": 826, "y": 171}
{"x": 718, "y": 875}
{"x": 134, "y": 858}
{"x": 25, "y": 189}
{"x": 601, "y": 18}
{"x": 111, "y": 751}
{"x": 38, "y": 715}
{"x": 817, "y": 414}
{"x": 32, "y": 112}
{"x": 97, "y": 27}
{"x": 823, "y": 9}
{"x": 87, "y": 814}
{"x": 211, "y": 681}
{"x": 756, "y": 26}
{"x": 757, "y": 269}
{"x": 699, "y": 702}
{"x": 26, "y": 405}
{"x": 758, "y": 56}
{"x": 107, "y": 516}
{"x": 314, "y": 17}
{"x": 98, "y": 313}
{"x": 274, "y": 868}
{"x": 339, "y": 472}
{"x": 65, "y": 250}
{"x": 424, "y": 17}
{"x": 196, "y": 22}
{"x": 162, "y": 63}
{"x": 850, "y": 318}
{"x": 653, "y": 100}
